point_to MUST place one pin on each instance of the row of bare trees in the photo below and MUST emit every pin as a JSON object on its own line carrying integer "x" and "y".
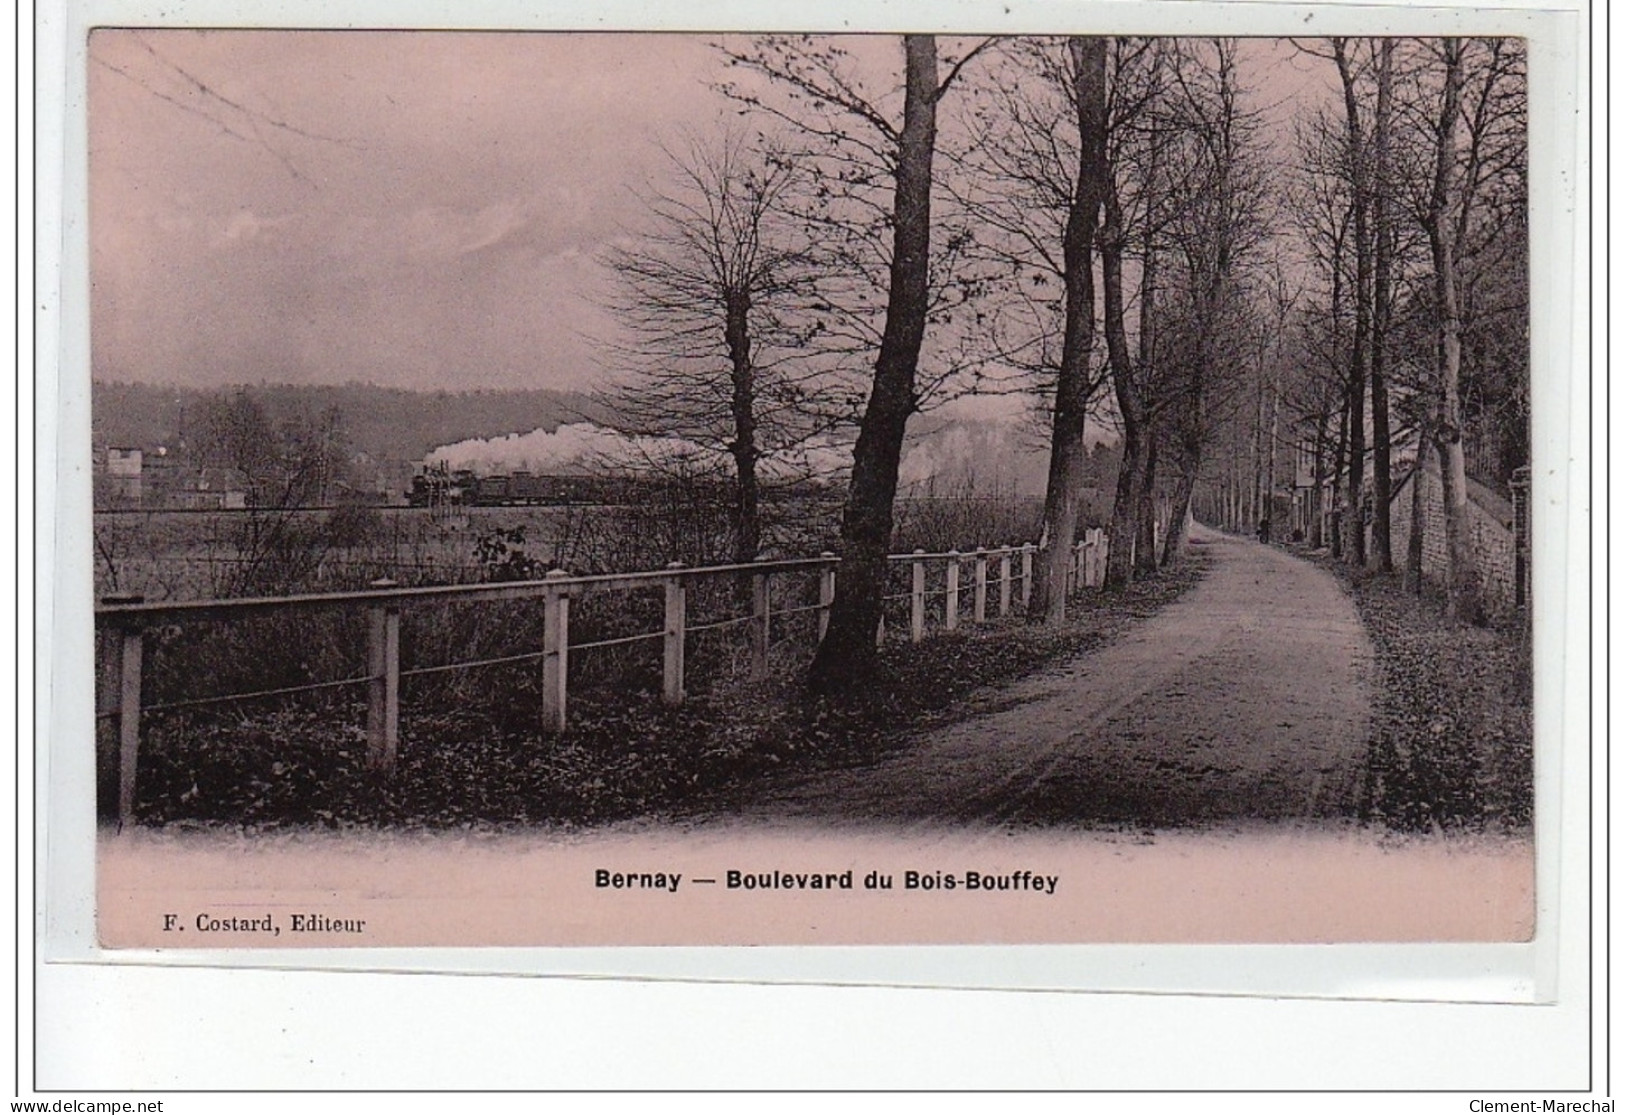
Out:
{"x": 981, "y": 219}
{"x": 1412, "y": 202}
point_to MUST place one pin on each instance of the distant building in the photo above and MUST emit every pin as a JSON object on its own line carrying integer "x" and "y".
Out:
{"x": 130, "y": 477}
{"x": 123, "y": 474}
{"x": 209, "y": 488}
{"x": 1303, "y": 472}
{"x": 123, "y": 461}
{"x": 122, "y": 477}
{"x": 376, "y": 481}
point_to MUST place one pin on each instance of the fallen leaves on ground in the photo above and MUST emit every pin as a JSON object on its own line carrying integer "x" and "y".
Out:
{"x": 1452, "y": 744}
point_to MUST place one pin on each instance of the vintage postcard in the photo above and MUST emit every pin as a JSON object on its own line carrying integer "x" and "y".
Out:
{"x": 568, "y": 489}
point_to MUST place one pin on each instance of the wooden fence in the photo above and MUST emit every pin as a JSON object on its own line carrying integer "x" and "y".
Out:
{"x": 999, "y": 579}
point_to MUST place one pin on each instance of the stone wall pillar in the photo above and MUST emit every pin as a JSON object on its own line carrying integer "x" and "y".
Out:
{"x": 1520, "y": 537}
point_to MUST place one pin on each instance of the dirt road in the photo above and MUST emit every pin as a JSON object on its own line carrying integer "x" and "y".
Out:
{"x": 1247, "y": 699}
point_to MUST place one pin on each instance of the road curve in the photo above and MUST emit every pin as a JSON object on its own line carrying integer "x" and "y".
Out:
{"x": 1248, "y": 699}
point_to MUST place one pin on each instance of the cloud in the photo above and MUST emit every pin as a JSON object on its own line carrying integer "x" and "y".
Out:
{"x": 244, "y": 226}
{"x": 433, "y": 202}
{"x": 445, "y": 232}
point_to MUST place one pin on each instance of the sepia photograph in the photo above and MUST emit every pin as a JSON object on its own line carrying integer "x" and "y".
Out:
{"x": 714, "y": 489}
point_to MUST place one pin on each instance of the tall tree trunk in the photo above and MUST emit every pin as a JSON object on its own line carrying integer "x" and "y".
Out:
{"x": 1258, "y": 445}
{"x": 747, "y": 514}
{"x": 1067, "y": 451}
{"x": 1382, "y": 490}
{"x": 1317, "y": 534}
{"x": 847, "y": 654}
{"x": 1130, "y": 404}
{"x": 1413, "y": 547}
{"x": 1125, "y": 502}
{"x": 1179, "y": 512}
{"x": 1274, "y": 436}
{"x": 1354, "y": 525}
{"x": 1462, "y": 584}
{"x": 1246, "y": 489}
{"x": 1145, "y": 524}
{"x": 1339, "y": 459}
{"x": 1330, "y": 523}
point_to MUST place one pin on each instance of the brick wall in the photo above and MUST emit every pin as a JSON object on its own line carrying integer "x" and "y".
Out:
{"x": 1491, "y": 533}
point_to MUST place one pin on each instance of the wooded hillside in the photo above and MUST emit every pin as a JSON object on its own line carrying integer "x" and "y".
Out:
{"x": 386, "y": 423}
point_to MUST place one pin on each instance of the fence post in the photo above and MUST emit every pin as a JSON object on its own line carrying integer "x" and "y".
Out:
{"x": 826, "y": 592}
{"x": 121, "y": 674}
{"x": 1089, "y": 554}
{"x": 1004, "y": 581}
{"x": 384, "y": 682}
{"x": 950, "y": 611}
{"x": 129, "y": 718}
{"x": 109, "y": 676}
{"x": 916, "y": 613}
{"x": 1027, "y": 549}
{"x": 676, "y": 622}
{"x": 760, "y": 627}
{"x": 555, "y": 652}
{"x": 979, "y": 591}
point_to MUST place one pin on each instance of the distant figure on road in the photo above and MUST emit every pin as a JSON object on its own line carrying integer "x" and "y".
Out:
{"x": 1264, "y": 529}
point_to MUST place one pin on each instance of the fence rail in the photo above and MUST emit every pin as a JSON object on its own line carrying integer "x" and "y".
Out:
{"x": 999, "y": 578}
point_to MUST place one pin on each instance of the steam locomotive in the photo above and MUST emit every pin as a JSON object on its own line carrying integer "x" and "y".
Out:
{"x": 462, "y": 488}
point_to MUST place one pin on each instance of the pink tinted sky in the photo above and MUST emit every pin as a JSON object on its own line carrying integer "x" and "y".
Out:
{"x": 412, "y": 209}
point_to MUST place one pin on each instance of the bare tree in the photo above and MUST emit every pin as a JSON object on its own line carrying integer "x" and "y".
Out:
{"x": 1366, "y": 165}
{"x": 1181, "y": 206}
{"x": 286, "y": 468}
{"x": 1037, "y": 164}
{"x": 1459, "y": 168}
{"x": 717, "y": 297}
{"x": 1357, "y": 160}
{"x": 1441, "y": 223}
{"x": 828, "y": 105}
{"x": 1324, "y": 218}
{"x": 1389, "y": 172}
{"x": 1382, "y": 304}
{"x": 1073, "y": 382}
{"x": 1135, "y": 212}
{"x": 1219, "y": 222}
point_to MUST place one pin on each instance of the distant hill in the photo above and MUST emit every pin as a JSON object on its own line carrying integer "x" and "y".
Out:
{"x": 952, "y": 452}
{"x": 387, "y": 423}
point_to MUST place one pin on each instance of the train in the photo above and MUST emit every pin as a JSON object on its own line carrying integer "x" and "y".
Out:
{"x": 439, "y": 486}
{"x": 463, "y": 488}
